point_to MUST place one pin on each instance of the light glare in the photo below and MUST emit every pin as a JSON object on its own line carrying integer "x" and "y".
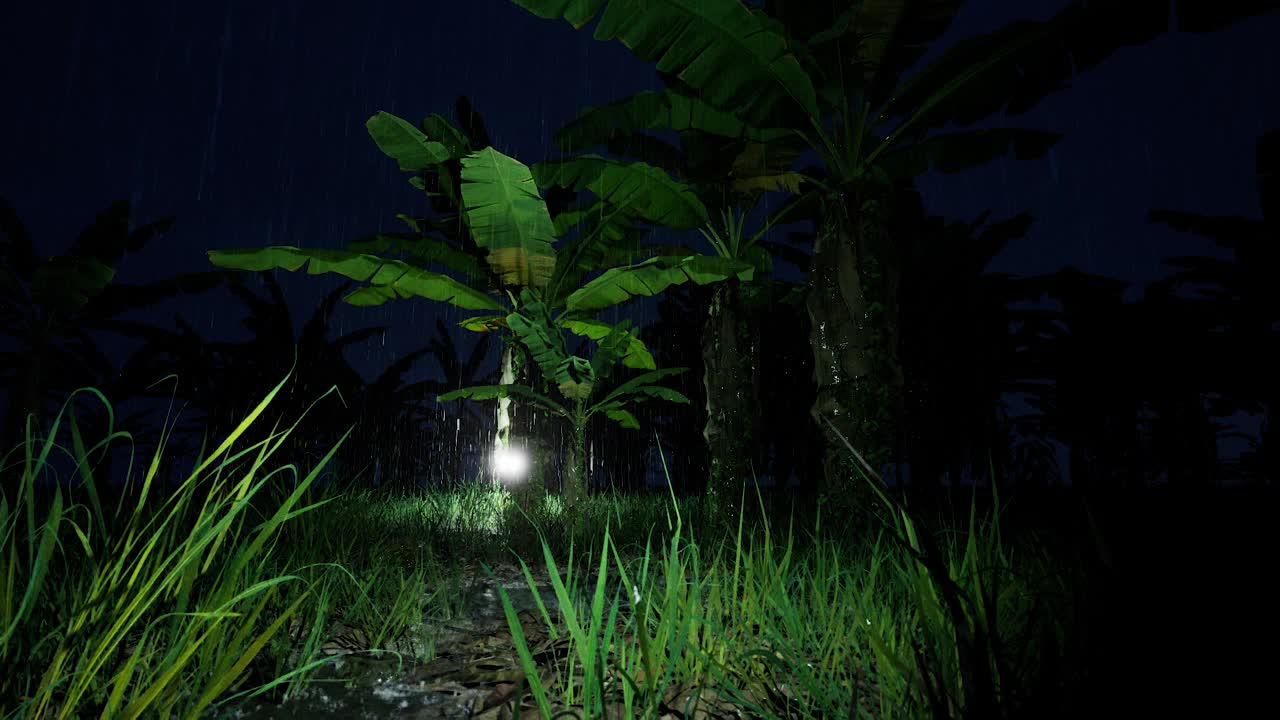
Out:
{"x": 510, "y": 463}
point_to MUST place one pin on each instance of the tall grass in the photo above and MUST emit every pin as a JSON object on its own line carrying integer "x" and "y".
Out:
{"x": 900, "y": 626}
{"x": 170, "y": 601}
{"x": 145, "y": 599}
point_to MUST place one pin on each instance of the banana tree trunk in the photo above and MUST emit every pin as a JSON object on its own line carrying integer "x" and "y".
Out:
{"x": 503, "y": 436}
{"x": 575, "y": 465}
{"x": 853, "y": 308}
{"x": 729, "y": 372}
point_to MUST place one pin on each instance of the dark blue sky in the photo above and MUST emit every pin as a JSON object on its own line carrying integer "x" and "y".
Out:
{"x": 245, "y": 121}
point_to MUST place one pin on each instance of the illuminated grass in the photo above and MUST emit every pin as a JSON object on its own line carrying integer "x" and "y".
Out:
{"x": 158, "y": 601}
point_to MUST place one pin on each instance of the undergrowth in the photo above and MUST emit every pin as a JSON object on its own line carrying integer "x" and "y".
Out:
{"x": 146, "y": 599}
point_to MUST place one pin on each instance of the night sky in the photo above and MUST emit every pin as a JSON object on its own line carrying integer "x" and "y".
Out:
{"x": 245, "y": 121}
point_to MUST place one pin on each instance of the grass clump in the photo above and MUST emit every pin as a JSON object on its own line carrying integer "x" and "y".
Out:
{"x": 146, "y": 600}
{"x": 243, "y": 581}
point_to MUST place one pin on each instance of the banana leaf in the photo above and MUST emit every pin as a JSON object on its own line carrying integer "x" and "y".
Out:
{"x": 404, "y": 143}
{"x": 648, "y": 191}
{"x": 491, "y": 392}
{"x": 636, "y": 355}
{"x": 508, "y": 218}
{"x": 387, "y": 279}
{"x": 652, "y": 277}
{"x": 734, "y": 57}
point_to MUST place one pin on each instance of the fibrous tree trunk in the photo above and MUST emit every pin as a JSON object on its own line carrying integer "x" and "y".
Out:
{"x": 575, "y": 465}
{"x": 853, "y": 308}
{"x": 729, "y": 348}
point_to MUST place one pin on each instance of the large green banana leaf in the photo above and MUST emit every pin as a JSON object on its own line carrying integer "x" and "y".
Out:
{"x": 533, "y": 325}
{"x": 491, "y": 392}
{"x": 734, "y": 57}
{"x": 436, "y": 126}
{"x": 642, "y": 384}
{"x": 651, "y": 277}
{"x": 649, "y": 191}
{"x": 610, "y": 350}
{"x": 404, "y": 143}
{"x": 387, "y": 278}
{"x": 607, "y": 236}
{"x": 655, "y": 110}
{"x": 422, "y": 249}
{"x": 508, "y": 218}
{"x": 636, "y": 354}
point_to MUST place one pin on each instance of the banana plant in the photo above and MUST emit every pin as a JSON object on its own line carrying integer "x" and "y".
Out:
{"x": 50, "y": 307}
{"x": 578, "y": 380}
{"x": 494, "y": 231}
{"x": 837, "y": 78}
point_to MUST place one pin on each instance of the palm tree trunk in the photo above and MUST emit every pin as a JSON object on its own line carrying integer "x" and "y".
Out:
{"x": 730, "y": 366}
{"x": 853, "y": 307}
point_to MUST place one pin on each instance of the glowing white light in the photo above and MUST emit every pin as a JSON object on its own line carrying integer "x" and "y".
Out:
{"x": 510, "y": 463}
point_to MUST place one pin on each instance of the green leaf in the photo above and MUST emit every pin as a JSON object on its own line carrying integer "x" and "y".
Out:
{"x": 484, "y": 323}
{"x": 404, "y": 143}
{"x": 66, "y": 283}
{"x": 633, "y": 385}
{"x": 655, "y": 110}
{"x": 387, "y": 279}
{"x": 423, "y": 249}
{"x": 652, "y": 277}
{"x": 657, "y": 391}
{"x": 733, "y": 57}
{"x": 508, "y": 217}
{"x": 533, "y": 326}
{"x": 637, "y": 354}
{"x": 623, "y": 417}
{"x": 491, "y": 392}
{"x": 648, "y": 191}
{"x": 436, "y": 126}
{"x": 607, "y": 237}
{"x": 610, "y": 349}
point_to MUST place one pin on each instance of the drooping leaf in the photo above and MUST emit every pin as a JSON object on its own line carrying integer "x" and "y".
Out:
{"x": 444, "y": 132}
{"x": 508, "y": 218}
{"x": 575, "y": 377}
{"x": 404, "y": 143}
{"x": 635, "y": 354}
{"x": 484, "y": 323}
{"x": 422, "y": 249}
{"x": 633, "y": 385}
{"x": 655, "y": 110}
{"x": 533, "y": 326}
{"x": 649, "y": 191}
{"x": 657, "y": 391}
{"x": 766, "y": 167}
{"x": 735, "y": 58}
{"x": 388, "y": 279}
{"x": 651, "y": 277}
{"x": 606, "y": 237}
{"x": 66, "y": 283}
{"x": 610, "y": 349}
{"x": 492, "y": 392}
{"x": 622, "y": 417}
